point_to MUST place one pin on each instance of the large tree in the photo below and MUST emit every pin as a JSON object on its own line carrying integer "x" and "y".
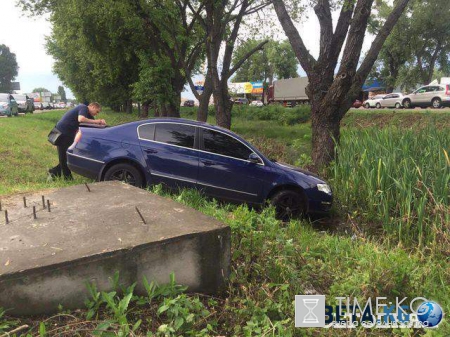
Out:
{"x": 222, "y": 21}
{"x": 333, "y": 88}
{"x": 8, "y": 68}
{"x": 62, "y": 93}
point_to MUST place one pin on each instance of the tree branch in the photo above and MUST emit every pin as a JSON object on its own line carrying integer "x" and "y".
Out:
{"x": 323, "y": 13}
{"x": 305, "y": 58}
{"x": 246, "y": 57}
{"x": 377, "y": 44}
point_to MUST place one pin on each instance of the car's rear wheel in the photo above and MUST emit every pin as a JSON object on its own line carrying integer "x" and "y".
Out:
{"x": 436, "y": 103}
{"x": 288, "y": 204}
{"x": 398, "y": 105}
{"x": 367, "y": 106}
{"x": 378, "y": 105}
{"x": 407, "y": 104}
{"x": 126, "y": 173}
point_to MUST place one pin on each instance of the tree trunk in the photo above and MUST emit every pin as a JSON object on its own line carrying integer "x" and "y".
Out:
{"x": 145, "y": 108}
{"x": 173, "y": 107}
{"x": 325, "y": 134}
{"x": 224, "y": 105}
{"x": 202, "y": 113}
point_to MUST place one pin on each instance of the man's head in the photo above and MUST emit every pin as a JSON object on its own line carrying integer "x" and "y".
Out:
{"x": 94, "y": 108}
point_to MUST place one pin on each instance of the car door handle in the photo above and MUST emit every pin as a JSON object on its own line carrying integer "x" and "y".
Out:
{"x": 208, "y": 162}
{"x": 150, "y": 151}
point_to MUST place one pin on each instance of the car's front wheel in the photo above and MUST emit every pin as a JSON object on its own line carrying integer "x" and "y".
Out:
{"x": 126, "y": 173}
{"x": 288, "y": 204}
{"x": 378, "y": 105}
{"x": 367, "y": 106}
{"x": 398, "y": 105}
{"x": 436, "y": 103}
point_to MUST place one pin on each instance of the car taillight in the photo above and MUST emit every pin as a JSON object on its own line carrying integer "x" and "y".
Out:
{"x": 447, "y": 90}
{"x": 78, "y": 137}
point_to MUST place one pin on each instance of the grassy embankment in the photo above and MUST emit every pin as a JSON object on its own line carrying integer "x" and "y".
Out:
{"x": 389, "y": 235}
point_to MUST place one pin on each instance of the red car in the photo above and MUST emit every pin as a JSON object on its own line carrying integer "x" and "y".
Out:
{"x": 357, "y": 104}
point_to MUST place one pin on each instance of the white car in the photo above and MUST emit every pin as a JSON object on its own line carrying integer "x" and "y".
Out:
{"x": 374, "y": 102}
{"x": 256, "y": 103}
{"x": 393, "y": 100}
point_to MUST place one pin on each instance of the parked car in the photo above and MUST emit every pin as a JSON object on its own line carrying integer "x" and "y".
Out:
{"x": 189, "y": 154}
{"x": 8, "y": 105}
{"x": 241, "y": 101}
{"x": 435, "y": 96}
{"x": 189, "y": 103}
{"x": 257, "y": 103}
{"x": 372, "y": 102}
{"x": 393, "y": 100}
{"x": 25, "y": 104}
{"x": 357, "y": 104}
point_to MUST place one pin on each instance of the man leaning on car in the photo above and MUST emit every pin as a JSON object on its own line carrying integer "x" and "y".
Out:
{"x": 68, "y": 126}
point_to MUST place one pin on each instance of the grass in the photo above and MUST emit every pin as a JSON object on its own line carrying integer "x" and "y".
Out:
{"x": 389, "y": 235}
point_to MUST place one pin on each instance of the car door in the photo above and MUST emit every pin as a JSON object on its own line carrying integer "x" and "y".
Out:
{"x": 170, "y": 154}
{"x": 14, "y": 105}
{"x": 224, "y": 169}
{"x": 420, "y": 96}
{"x": 387, "y": 101}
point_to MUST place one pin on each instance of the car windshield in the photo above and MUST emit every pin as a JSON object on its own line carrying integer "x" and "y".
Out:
{"x": 20, "y": 98}
{"x": 4, "y": 97}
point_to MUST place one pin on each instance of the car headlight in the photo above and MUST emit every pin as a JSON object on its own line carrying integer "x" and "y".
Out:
{"x": 324, "y": 188}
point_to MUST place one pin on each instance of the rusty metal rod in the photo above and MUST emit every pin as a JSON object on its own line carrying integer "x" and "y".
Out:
{"x": 43, "y": 202}
{"x": 34, "y": 212}
{"x": 87, "y": 187}
{"x": 0, "y": 206}
{"x": 143, "y": 220}
{"x": 24, "y": 202}
{"x": 48, "y": 205}
{"x": 6, "y": 217}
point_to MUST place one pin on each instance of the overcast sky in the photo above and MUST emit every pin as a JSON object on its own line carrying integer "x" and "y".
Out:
{"x": 26, "y": 38}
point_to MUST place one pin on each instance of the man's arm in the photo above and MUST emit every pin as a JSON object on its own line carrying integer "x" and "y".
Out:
{"x": 82, "y": 119}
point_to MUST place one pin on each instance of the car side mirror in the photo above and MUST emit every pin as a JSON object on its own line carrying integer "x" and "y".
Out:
{"x": 253, "y": 158}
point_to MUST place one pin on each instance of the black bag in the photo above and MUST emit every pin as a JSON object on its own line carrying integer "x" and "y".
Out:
{"x": 54, "y": 136}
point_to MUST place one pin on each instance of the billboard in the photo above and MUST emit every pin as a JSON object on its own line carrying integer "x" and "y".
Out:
{"x": 243, "y": 87}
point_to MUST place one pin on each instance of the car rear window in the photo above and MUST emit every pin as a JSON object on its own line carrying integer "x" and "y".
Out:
{"x": 219, "y": 143}
{"x": 147, "y": 131}
{"x": 175, "y": 134}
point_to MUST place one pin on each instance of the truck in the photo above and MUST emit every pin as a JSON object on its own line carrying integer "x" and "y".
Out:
{"x": 289, "y": 92}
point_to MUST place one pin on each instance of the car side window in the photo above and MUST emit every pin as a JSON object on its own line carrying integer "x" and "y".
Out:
{"x": 219, "y": 143}
{"x": 394, "y": 96}
{"x": 175, "y": 134}
{"x": 147, "y": 131}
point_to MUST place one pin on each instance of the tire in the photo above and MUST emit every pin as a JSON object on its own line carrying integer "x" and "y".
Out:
{"x": 288, "y": 204}
{"x": 436, "y": 103}
{"x": 378, "y": 106}
{"x": 398, "y": 106}
{"x": 407, "y": 104}
{"x": 367, "y": 106}
{"x": 126, "y": 173}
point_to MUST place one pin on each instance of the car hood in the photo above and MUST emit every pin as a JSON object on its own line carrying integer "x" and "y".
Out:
{"x": 315, "y": 179}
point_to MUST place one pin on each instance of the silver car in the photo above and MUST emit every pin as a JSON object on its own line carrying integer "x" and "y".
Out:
{"x": 393, "y": 100}
{"x": 435, "y": 96}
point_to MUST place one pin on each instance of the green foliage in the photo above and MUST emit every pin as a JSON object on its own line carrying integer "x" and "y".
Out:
{"x": 418, "y": 45}
{"x": 399, "y": 178}
{"x": 285, "y": 116}
{"x": 40, "y": 89}
{"x": 276, "y": 60}
{"x": 8, "y": 68}
{"x": 62, "y": 93}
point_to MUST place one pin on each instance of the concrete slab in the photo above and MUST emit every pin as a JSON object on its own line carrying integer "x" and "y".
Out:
{"x": 87, "y": 236}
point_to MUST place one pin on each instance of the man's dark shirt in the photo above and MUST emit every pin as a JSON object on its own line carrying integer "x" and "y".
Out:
{"x": 68, "y": 124}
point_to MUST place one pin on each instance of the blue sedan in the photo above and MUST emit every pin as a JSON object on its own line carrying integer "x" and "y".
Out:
{"x": 189, "y": 154}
